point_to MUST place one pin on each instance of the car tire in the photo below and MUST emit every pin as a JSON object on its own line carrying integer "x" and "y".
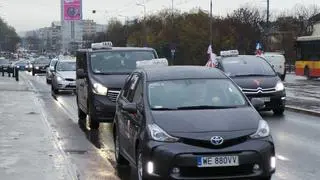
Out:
{"x": 93, "y": 123}
{"x": 279, "y": 111}
{"x": 33, "y": 73}
{"x": 54, "y": 90}
{"x": 266, "y": 178}
{"x": 140, "y": 166}
{"x": 307, "y": 73}
{"x": 283, "y": 76}
{"x": 120, "y": 160}
{"x": 48, "y": 81}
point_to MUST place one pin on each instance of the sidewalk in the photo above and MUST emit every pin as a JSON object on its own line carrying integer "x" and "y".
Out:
{"x": 27, "y": 148}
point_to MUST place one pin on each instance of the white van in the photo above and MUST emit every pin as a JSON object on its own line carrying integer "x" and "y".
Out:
{"x": 278, "y": 63}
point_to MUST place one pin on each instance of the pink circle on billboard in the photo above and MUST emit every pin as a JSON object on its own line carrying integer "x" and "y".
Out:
{"x": 72, "y": 9}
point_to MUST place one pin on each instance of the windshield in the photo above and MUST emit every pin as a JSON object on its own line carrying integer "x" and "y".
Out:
{"x": 53, "y": 63}
{"x": 247, "y": 65}
{"x": 42, "y": 61}
{"x": 4, "y": 61}
{"x": 203, "y": 93}
{"x": 118, "y": 61}
{"x": 66, "y": 66}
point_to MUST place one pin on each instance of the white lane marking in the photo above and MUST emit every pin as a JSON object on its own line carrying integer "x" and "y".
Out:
{"x": 282, "y": 158}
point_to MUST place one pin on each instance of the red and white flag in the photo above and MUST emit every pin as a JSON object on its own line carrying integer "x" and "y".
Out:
{"x": 212, "y": 62}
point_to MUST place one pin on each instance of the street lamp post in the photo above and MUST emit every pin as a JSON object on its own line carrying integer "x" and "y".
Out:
{"x": 144, "y": 20}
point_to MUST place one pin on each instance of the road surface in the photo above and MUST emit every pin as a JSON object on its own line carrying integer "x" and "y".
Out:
{"x": 296, "y": 137}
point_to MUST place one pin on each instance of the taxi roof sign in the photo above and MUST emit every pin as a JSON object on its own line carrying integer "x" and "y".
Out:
{"x": 152, "y": 63}
{"x": 102, "y": 45}
{"x": 229, "y": 53}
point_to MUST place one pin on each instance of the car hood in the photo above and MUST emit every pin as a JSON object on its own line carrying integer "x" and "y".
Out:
{"x": 264, "y": 82}
{"x": 183, "y": 122}
{"x": 112, "y": 81}
{"x": 67, "y": 74}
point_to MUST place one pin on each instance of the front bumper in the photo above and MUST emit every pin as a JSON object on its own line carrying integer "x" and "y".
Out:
{"x": 39, "y": 70}
{"x": 168, "y": 156}
{"x": 277, "y": 99}
{"x": 103, "y": 108}
{"x": 66, "y": 85}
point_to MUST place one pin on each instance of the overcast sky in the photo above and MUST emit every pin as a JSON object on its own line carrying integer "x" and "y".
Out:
{"x": 33, "y": 14}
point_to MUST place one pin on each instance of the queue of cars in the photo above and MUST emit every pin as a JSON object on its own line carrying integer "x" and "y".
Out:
{"x": 176, "y": 122}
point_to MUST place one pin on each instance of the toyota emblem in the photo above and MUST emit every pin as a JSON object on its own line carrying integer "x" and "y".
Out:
{"x": 216, "y": 140}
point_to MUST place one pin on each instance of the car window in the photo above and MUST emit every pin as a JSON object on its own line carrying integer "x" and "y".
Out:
{"x": 138, "y": 91}
{"x": 130, "y": 87}
{"x": 246, "y": 65}
{"x": 194, "y": 92}
{"x": 42, "y": 61}
{"x": 4, "y": 61}
{"x": 118, "y": 61}
{"x": 66, "y": 66}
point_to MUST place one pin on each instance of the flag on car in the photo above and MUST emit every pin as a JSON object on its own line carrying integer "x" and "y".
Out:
{"x": 259, "y": 51}
{"x": 212, "y": 62}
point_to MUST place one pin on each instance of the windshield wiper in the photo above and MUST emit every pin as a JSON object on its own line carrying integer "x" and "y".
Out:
{"x": 248, "y": 75}
{"x": 163, "y": 109}
{"x": 205, "y": 107}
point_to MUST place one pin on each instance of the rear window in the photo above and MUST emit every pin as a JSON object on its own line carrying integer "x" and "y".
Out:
{"x": 4, "y": 61}
{"x": 247, "y": 65}
{"x": 42, "y": 61}
{"x": 118, "y": 61}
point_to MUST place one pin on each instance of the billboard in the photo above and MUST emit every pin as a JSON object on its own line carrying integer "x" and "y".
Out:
{"x": 72, "y": 10}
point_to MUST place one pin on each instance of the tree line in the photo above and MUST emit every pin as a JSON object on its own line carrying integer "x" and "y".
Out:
{"x": 189, "y": 32}
{"x": 9, "y": 39}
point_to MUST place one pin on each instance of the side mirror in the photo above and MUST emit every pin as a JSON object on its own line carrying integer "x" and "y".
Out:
{"x": 130, "y": 107}
{"x": 51, "y": 69}
{"x": 81, "y": 73}
{"x": 257, "y": 103}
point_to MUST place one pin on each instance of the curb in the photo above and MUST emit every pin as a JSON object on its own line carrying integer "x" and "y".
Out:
{"x": 302, "y": 110}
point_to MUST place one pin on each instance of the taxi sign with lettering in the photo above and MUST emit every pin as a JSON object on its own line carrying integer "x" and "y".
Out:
{"x": 152, "y": 63}
{"x": 229, "y": 53}
{"x": 102, "y": 45}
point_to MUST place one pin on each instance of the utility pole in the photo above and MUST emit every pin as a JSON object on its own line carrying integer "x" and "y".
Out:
{"x": 268, "y": 23}
{"x": 144, "y": 21}
{"x": 211, "y": 31}
{"x": 172, "y": 46}
{"x": 268, "y": 13}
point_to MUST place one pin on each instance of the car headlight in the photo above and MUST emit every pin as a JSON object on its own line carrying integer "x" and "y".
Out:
{"x": 59, "y": 78}
{"x": 18, "y": 66}
{"x": 263, "y": 130}
{"x": 99, "y": 89}
{"x": 279, "y": 86}
{"x": 159, "y": 134}
{"x": 37, "y": 67}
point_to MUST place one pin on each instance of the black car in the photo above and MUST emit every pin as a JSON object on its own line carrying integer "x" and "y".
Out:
{"x": 101, "y": 73}
{"x": 256, "y": 78}
{"x": 190, "y": 122}
{"x": 22, "y": 65}
{"x": 4, "y": 64}
{"x": 39, "y": 66}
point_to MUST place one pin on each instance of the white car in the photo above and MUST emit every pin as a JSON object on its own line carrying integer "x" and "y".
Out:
{"x": 278, "y": 63}
{"x": 64, "y": 77}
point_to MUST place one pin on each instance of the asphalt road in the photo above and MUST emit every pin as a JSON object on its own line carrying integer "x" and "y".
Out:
{"x": 296, "y": 137}
{"x": 302, "y": 92}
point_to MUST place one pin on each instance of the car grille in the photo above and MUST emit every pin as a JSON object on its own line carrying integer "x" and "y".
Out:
{"x": 69, "y": 79}
{"x": 241, "y": 170}
{"x": 113, "y": 94}
{"x": 259, "y": 91}
{"x": 207, "y": 144}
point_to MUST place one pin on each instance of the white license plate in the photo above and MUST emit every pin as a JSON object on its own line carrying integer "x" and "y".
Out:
{"x": 218, "y": 161}
{"x": 72, "y": 84}
{"x": 265, "y": 99}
